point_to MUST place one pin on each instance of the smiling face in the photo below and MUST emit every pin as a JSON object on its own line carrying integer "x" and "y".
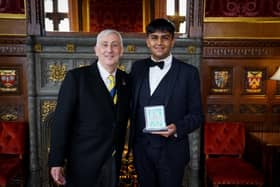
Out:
{"x": 160, "y": 43}
{"x": 109, "y": 49}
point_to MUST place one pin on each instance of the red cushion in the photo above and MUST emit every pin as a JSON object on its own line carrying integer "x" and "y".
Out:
{"x": 12, "y": 146}
{"x": 12, "y": 137}
{"x": 8, "y": 168}
{"x": 229, "y": 170}
{"x": 224, "y": 138}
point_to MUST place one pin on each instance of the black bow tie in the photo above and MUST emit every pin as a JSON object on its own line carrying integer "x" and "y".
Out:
{"x": 160, "y": 64}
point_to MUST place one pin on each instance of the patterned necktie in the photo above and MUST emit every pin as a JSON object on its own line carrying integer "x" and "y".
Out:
{"x": 112, "y": 88}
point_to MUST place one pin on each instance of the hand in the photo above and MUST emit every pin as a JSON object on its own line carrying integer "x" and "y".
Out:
{"x": 57, "y": 174}
{"x": 171, "y": 130}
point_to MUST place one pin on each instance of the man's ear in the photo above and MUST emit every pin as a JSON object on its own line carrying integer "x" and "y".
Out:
{"x": 147, "y": 43}
{"x": 173, "y": 42}
{"x": 94, "y": 49}
{"x": 122, "y": 52}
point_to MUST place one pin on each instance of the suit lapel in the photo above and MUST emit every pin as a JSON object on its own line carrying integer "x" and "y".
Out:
{"x": 173, "y": 75}
{"x": 99, "y": 87}
{"x": 141, "y": 74}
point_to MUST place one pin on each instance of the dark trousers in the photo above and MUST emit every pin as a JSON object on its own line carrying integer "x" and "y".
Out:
{"x": 108, "y": 174}
{"x": 154, "y": 168}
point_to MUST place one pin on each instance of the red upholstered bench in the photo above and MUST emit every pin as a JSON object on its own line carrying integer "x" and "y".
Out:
{"x": 224, "y": 145}
{"x": 13, "y": 137}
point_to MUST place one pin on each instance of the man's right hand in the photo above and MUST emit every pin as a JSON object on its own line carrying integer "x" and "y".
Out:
{"x": 57, "y": 174}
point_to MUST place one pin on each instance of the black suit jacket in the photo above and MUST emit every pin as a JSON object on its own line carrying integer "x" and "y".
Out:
{"x": 87, "y": 126}
{"x": 182, "y": 103}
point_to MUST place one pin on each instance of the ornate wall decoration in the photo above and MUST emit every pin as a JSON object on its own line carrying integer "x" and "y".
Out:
{"x": 12, "y": 46}
{"x": 237, "y": 52}
{"x": 47, "y": 106}
{"x": 253, "y": 108}
{"x": 131, "y": 48}
{"x": 57, "y": 72}
{"x": 221, "y": 80}
{"x": 70, "y": 48}
{"x": 38, "y": 48}
{"x": 9, "y": 81}
{"x": 121, "y": 15}
{"x": 220, "y": 109}
{"x": 242, "y": 8}
{"x": 254, "y": 81}
{"x": 219, "y": 112}
{"x": 12, "y": 9}
{"x": 10, "y": 112}
{"x": 191, "y": 49}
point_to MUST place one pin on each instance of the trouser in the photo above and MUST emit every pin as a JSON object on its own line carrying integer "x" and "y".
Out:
{"x": 108, "y": 174}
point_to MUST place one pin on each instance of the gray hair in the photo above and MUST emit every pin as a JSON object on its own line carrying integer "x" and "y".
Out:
{"x": 107, "y": 32}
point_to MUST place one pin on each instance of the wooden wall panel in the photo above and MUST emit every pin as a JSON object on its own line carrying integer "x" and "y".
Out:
{"x": 13, "y": 94}
{"x": 236, "y": 84}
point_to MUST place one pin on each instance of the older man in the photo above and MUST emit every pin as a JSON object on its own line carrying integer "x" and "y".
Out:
{"x": 91, "y": 118}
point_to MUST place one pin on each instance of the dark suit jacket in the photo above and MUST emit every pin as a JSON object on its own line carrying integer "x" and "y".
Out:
{"x": 87, "y": 126}
{"x": 182, "y": 104}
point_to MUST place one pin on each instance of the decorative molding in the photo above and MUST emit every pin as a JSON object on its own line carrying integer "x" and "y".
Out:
{"x": 219, "y": 117}
{"x": 11, "y": 112}
{"x": 47, "y": 106}
{"x": 57, "y": 72}
{"x": 38, "y": 48}
{"x": 241, "y": 8}
{"x": 236, "y": 51}
{"x": 219, "y": 109}
{"x": 70, "y": 48}
{"x": 14, "y": 50}
{"x": 241, "y": 43}
{"x": 253, "y": 108}
{"x": 131, "y": 48}
{"x": 12, "y": 46}
{"x": 240, "y": 48}
{"x": 191, "y": 49}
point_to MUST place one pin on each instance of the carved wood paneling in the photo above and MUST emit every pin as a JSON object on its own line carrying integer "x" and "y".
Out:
{"x": 121, "y": 15}
{"x": 254, "y": 98}
{"x": 12, "y": 7}
{"x": 13, "y": 93}
{"x": 241, "y": 8}
{"x": 12, "y": 46}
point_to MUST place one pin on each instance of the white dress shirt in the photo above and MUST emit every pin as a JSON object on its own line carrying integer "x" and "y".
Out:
{"x": 104, "y": 74}
{"x": 156, "y": 74}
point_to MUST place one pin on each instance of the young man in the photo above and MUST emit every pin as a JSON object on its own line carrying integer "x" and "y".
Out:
{"x": 161, "y": 156}
{"x": 89, "y": 123}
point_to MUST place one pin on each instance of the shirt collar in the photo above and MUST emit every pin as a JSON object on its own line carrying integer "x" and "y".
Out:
{"x": 104, "y": 74}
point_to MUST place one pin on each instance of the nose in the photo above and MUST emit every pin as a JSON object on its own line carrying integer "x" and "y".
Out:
{"x": 109, "y": 48}
{"x": 159, "y": 40}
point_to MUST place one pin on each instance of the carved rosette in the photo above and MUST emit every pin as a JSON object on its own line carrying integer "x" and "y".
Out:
{"x": 11, "y": 112}
{"x": 57, "y": 72}
{"x": 47, "y": 106}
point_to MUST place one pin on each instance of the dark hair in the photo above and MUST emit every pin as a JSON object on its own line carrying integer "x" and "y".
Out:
{"x": 162, "y": 25}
